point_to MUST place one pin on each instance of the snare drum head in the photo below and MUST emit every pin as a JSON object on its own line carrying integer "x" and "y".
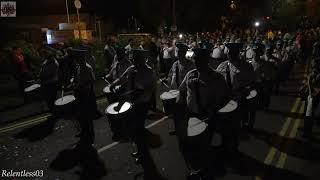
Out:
{"x": 65, "y": 100}
{"x": 252, "y": 94}
{"x": 125, "y": 107}
{"x": 32, "y": 87}
{"x": 169, "y": 95}
{"x": 196, "y": 126}
{"x": 231, "y": 106}
{"x": 107, "y": 89}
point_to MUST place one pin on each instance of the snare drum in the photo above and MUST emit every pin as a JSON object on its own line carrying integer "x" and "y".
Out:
{"x": 252, "y": 100}
{"x": 110, "y": 95}
{"x": 228, "y": 111}
{"x": 65, "y": 105}
{"x": 197, "y": 132}
{"x": 169, "y": 101}
{"x": 33, "y": 91}
{"x": 118, "y": 120}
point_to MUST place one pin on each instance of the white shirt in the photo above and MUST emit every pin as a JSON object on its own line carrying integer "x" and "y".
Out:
{"x": 213, "y": 92}
{"x": 241, "y": 74}
{"x": 143, "y": 80}
{"x": 168, "y": 52}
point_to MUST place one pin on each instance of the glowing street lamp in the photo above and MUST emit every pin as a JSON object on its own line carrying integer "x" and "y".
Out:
{"x": 257, "y": 24}
{"x": 180, "y": 36}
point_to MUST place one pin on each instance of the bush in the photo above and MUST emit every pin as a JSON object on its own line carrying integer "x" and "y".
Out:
{"x": 31, "y": 54}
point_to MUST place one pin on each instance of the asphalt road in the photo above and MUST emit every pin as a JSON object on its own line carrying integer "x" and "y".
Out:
{"x": 275, "y": 150}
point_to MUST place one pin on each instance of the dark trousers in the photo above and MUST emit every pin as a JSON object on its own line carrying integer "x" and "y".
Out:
{"x": 86, "y": 110}
{"x": 137, "y": 129}
{"x": 229, "y": 127}
{"x": 266, "y": 91}
{"x": 196, "y": 152}
{"x": 49, "y": 94}
{"x": 247, "y": 115}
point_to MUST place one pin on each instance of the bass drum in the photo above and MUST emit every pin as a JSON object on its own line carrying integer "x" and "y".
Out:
{"x": 33, "y": 92}
{"x": 118, "y": 120}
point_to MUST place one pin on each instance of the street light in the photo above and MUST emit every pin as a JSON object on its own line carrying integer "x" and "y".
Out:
{"x": 257, "y": 24}
{"x": 180, "y": 36}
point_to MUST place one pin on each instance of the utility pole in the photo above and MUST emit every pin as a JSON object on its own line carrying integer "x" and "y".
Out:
{"x": 67, "y": 11}
{"x": 174, "y": 18}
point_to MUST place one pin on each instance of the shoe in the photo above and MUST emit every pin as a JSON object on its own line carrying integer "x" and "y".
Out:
{"x": 173, "y": 133}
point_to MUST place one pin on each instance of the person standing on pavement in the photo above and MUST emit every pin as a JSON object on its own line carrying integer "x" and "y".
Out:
{"x": 20, "y": 70}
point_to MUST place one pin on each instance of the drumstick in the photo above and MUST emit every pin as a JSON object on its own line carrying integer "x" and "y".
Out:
{"x": 62, "y": 93}
{"x": 106, "y": 80}
{"x": 164, "y": 83}
{"x": 309, "y": 87}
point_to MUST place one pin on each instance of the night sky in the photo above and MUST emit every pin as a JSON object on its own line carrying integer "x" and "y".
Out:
{"x": 149, "y": 13}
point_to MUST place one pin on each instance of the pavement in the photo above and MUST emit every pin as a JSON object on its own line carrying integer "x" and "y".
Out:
{"x": 274, "y": 150}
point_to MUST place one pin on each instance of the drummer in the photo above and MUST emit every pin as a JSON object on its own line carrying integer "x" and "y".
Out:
{"x": 120, "y": 66}
{"x": 239, "y": 75}
{"x": 178, "y": 71}
{"x": 180, "y": 68}
{"x": 85, "y": 100}
{"x": 49, "y": 80}
{"x": 140, "y": 82}
{"x": 202, "y": 98}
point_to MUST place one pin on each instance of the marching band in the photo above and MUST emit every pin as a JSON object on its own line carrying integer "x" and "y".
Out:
{"x": 210, "y": 88}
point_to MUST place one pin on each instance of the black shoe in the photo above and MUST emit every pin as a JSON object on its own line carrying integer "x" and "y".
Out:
{"x": 173, "y": 133}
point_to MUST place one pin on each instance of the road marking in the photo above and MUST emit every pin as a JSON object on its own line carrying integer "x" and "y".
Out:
{"x": 116, "y": 143}
{"x": 32, "y": 121}
{"x": 24, "y": 123}
{"x": 272, "y": 152}
{"x": 283, "y": 156}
